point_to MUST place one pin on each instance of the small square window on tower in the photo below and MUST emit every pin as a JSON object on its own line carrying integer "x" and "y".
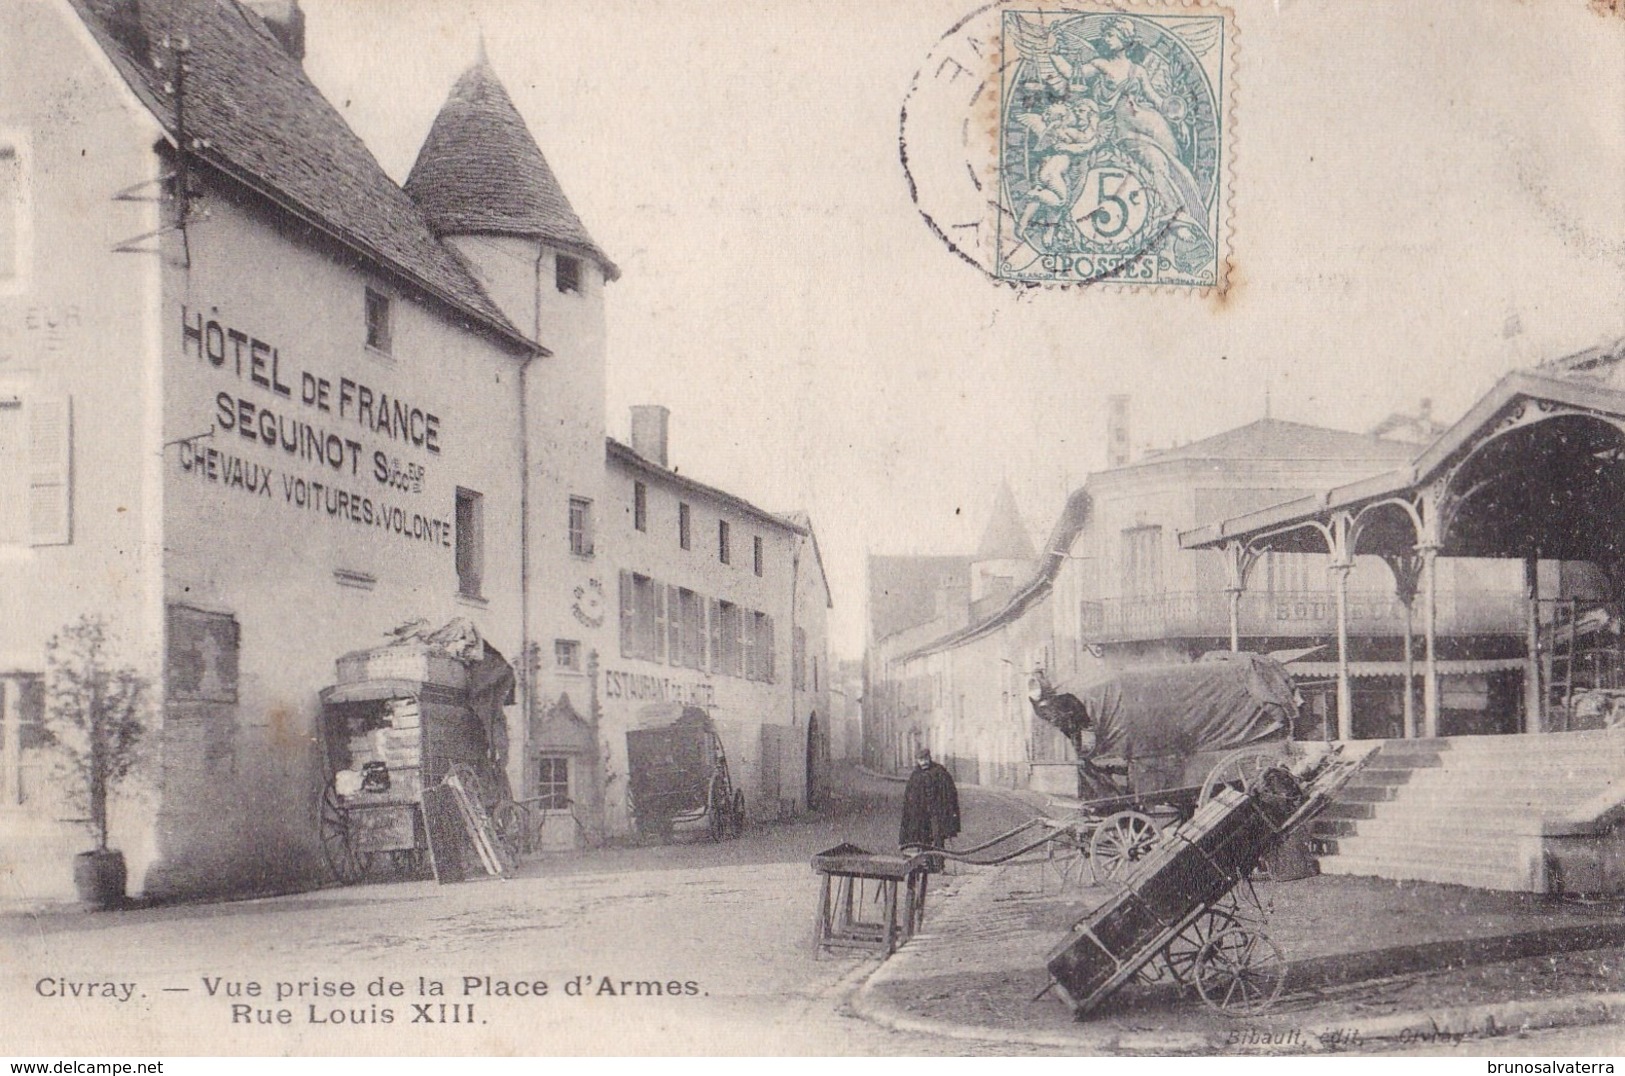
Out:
{"x": 567, "y": 273}
{"x": 378, "y": 317}
{"x": 567, "y": 654}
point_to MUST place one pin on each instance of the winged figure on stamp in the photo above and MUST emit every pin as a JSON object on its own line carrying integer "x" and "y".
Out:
{"x": 1088, "y": 99}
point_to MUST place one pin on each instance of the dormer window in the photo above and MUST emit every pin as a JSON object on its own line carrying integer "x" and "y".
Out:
{"x": 378, "y": 321}
{"x": 567, "y": 273}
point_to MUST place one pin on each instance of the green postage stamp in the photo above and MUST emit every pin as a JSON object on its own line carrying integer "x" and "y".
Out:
{"x": 1073, "y": 145}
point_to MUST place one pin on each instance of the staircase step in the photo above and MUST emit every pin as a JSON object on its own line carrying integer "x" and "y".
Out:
{"x": 1378, "y": 775}
{"x": 1338, "y": 810}
{"x": 1513, "y": 877}
{"x": 1444, "y": 850}
{"x": 1366, "y": 793}
{"x": 1467, "y": 810}
{"x": 1333, "y": 827}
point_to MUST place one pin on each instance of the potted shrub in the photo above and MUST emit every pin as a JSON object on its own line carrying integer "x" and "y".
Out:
{"x": 94, "y": 716}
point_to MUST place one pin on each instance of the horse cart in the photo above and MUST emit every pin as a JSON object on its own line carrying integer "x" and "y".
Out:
{"x": 1154, "y": 745}
{"x": 403, "y": 723}
{"x": 678, "y": 778}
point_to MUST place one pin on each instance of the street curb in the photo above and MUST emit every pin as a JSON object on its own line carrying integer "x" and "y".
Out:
{"x": 1419, "y": 1027}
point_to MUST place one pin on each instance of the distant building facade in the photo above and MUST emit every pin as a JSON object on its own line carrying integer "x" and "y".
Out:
{"x": 713, "y": 603}
{"x": 1111, "y": 587}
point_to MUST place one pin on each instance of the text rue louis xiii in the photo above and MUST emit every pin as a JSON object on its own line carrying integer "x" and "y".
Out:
{"x": 381, "y": 1000}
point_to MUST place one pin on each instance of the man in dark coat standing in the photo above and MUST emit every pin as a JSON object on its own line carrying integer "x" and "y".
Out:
{"x": 930, "y": 805}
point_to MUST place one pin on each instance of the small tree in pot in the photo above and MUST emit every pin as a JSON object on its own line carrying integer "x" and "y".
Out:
{"x": 94, "y": 715}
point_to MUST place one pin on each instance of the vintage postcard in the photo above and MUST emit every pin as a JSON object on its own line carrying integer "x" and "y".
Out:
{"x": 1032, "y": 528}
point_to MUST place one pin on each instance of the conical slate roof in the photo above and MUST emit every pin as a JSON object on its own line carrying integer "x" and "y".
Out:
{"x": 1005, "y": 538}
{"x": 481, "y": 173}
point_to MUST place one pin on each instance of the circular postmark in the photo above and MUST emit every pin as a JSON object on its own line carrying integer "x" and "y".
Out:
{"x": 1057, "y": 145}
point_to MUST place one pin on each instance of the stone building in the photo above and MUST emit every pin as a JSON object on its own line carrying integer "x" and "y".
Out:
{"x": 260, "y": 404}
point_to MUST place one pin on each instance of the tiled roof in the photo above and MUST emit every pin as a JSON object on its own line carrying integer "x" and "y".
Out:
{"x": 481, "y": 173}
{"x": 615, "y": 452}
{"x": 252, "y": 113}
{"x": 1277, "y": 439}
{"x": 903, "y": 590}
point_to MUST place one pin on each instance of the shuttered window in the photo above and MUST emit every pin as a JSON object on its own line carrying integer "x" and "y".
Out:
{"x": 50, "y": 439}
{"x": 36, "y": 466}
{"x": 643, "y": 618}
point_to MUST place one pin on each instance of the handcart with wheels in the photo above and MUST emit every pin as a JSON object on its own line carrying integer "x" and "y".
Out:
{"x": 1176, "y": 912}
{"x": 400, "y": 721}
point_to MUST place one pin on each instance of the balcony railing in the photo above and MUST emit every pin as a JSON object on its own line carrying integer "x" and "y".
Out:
{"x": 1291, "y": 614}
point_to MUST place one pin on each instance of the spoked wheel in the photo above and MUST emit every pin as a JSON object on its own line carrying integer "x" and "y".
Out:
{"x": 1068, "y": 856}
{"x": 736, "y": 820}
{"x": 1240, "y": 972}
{"x": 1119, "y": 842}
{"x": 1241, "y": 770}
{"x": 719, "y": 807}
{"x": 1180, "y": 955}
{"x": 333, "y": 829}
{"x": 509, "y": 819}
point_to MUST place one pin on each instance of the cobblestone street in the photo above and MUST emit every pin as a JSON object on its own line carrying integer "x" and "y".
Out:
{"x": 687, "y": 948}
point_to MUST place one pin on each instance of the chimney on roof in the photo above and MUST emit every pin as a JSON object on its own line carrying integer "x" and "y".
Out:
{"x": 650, "y": 425}
{"x": 1117, "y": 450}
{"x": 286, "y": 21}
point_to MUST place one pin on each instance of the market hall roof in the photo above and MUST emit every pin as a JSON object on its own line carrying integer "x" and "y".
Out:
{"x": 1535, "y": 468}
{"x": 253, "y": 115}
{"x": 480, "y": 172}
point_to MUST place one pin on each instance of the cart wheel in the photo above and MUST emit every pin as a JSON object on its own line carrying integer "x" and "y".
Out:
{"x": 1240, "y": 972}
{"x": 509, "y": 820}
{"x": 1179, "y": 957}
{"x": 333, "y": 829}
{"x": 736, "y": 819}
{"x": 1067, "y": 855}
{"x": 1240, "y": 769}
{"x": 718, "y": 806}
{"x": 1119, "y": 841}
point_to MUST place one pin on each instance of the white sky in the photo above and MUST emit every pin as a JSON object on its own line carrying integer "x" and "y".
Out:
{"x": 1426, "y": 197}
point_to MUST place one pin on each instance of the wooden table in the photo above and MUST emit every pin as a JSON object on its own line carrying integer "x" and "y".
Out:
{"x": 850, "y": 878}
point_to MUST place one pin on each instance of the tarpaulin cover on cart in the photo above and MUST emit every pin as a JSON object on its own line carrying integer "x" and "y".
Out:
{"x": 1178, "y": 710}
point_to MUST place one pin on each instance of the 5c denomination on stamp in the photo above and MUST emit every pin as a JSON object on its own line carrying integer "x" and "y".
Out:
{"x": 1065, "y": 144}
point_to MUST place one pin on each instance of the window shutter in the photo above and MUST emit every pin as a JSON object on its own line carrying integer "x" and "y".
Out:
{"x": 768, "y": 670}
{"x": 716, "y": 636}
{"x": 674, "y": 626}
{"x": 657, "y": 644}
{"x": 750, "y": 645}
{"x": 626, "y": 614}
{"x": 50, "y": 440}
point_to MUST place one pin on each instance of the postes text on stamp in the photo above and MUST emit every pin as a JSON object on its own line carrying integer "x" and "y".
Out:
{"x": 1063, "y": 145}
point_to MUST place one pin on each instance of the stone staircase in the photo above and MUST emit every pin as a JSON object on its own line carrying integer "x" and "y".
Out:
{"x": 1472, "y": 810}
